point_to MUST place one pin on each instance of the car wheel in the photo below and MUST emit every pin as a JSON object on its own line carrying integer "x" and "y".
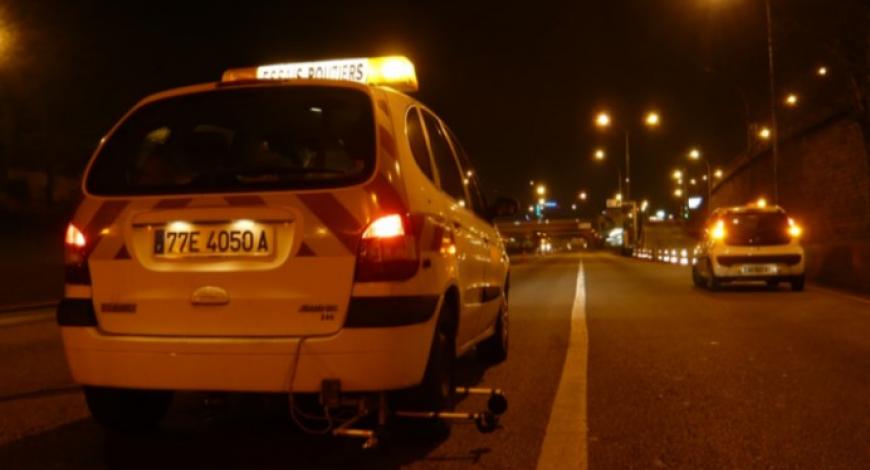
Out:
{"x": 712, "y": 282}
{"x": 797, "y": 284}
{"x": 436, "y": 391}
{"x": 495, "y": 348}
{"x": 696, "y": 277}
{"x": 127, "y": 409}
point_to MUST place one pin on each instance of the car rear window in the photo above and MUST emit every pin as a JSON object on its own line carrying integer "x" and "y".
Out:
{"x": 756, "y": 228}
{"x": 243, "y": 139}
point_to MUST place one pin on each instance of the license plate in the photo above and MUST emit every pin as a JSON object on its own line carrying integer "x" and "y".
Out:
{"x": 214, "y": 241}
{"x": 758, "y": 269}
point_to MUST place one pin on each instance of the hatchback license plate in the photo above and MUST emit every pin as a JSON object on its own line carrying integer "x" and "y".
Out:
{"x": 758, "y": 269}
{"x": 214, "y": 241}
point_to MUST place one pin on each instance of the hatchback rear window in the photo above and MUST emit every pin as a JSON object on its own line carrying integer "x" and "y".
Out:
{"x": 756, "y": 228}
{"x": 244, "y": 139}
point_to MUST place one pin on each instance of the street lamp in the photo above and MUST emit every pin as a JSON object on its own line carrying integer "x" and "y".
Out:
{"x": 651, "y": 119}
{"x": 695, "y": 154}
{"x": 764, "y": 133}
{"x": 600, "y": 155}
{"x": 677, "y": 175}
{"x": 791, "y": 100}
{"x": 582, "y": 195}
{"x": 541, "y": 190}
{"x": 718, "y": 173}
{"x": 822, "y": 71}
{"x": 602, "y": 119}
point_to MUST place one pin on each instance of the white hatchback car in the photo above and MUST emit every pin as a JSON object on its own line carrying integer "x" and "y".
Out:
{"x": 297, "y": 228}
{"x": 757, "y": 242}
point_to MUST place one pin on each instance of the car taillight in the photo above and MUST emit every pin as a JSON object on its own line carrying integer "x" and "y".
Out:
{"x": 76, "y": 256}
{"x": 718, "y": 230}
{"x": 388, "y": 250}
{"x": 794, "y": 230}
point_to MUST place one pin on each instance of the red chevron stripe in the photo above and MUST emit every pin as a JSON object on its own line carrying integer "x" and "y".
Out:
{"x": 389, "y": 199}
{"x": 305, "y": 250}
{"x": 388, "y": 143}
{"x": 105, "y": 216}
{"x": 335, "y": 216}
{"x": 123, "y": 253}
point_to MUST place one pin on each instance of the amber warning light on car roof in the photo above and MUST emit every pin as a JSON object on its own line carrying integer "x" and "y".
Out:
{"x": 393, "y": 71}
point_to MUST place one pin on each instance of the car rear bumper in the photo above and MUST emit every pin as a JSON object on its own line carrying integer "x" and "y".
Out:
{"x": 742, "y": 265}
{"x": 363, "y": 359}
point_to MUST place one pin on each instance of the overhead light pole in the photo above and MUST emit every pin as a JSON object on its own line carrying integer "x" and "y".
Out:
{"x": 651, "y": 119}
{"x": 695, "y": 154}
{"x": 773, "y": 123}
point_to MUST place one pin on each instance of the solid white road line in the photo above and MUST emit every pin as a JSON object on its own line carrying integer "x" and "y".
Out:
{"x": 565, "y": 440}
{"x": 15, "y": 319}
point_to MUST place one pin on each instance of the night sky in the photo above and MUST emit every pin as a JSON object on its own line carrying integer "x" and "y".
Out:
{"x": 518, "y": 84}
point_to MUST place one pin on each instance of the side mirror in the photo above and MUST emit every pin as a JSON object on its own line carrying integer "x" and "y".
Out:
{"x": 504, "y": 207}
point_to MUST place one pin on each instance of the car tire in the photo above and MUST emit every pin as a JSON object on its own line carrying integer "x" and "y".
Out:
{"x": 494, "y": 349}
{"x": 797, "y": 284}
{"x": 127, "y": 410}
{"x": 436, "y": 391}
{"x": 713, "y": 283}
{"x": 697, "y": 280}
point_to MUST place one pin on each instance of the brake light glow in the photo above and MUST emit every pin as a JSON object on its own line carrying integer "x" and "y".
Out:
{"x": 74, "y": 237}
{"x": 388, "y": 226}
{"x": 718, "y": 230}
{"x": 76, "y": 256}
{"x": 794, "y": 230}
{"x": 393, "y": 71}
{"x": 388, "y": 251}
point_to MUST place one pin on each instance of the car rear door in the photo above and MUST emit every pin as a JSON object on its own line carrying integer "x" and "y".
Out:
{"x": 231, "y": 213}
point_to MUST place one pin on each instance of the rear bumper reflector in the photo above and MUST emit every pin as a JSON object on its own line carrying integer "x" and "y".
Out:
{"x": 76, "y": 312}
{"x": 374, "y": 312}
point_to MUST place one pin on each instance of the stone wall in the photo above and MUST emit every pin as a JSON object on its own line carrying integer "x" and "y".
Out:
{"x": 824, "y": 184}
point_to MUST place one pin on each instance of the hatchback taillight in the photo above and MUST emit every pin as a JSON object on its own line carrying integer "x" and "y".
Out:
{"x": 388, "y": 250}
{"x": 76, "y": 256}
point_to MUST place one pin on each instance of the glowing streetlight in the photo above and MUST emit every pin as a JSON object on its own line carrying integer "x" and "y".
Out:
{"x": 677, "y": 175}
{"x": 541, "y": 201}
{"x": 582, "y": 195}
{"x": 600, "y": 154}
{"x": 764, "y": 133}
{"x": 618, "y": 196}
{"x": 718, "y": 173}
{"x": 791, "y": 100}
{"x": 573, "y": 207}
{"x": 602, "y": 119}
{"x": 694, "y": 154}
{"x": 822, "y": 71}
{"x": 693, "y": 181}
{"x": 678, "y": 192}
{"x": 531, "y": 182}
{"x": 541, "y": 190}
{"x": 652, "y": 119}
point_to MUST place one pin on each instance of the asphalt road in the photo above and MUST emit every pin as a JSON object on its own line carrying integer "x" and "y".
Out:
{"x": 677, "y": 378}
